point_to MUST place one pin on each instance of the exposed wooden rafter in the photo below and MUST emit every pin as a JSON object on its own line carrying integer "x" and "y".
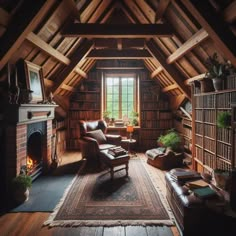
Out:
{"x": 77, "y": 56}
{"x": 119, "y": 54}
{"x": 161, "y": 9}
{"x": 156, "y": 72}
{"x": 172, "y": 71}
{"x": 33, "y": 38}
{"x": 112, "y": 43}
{"x": 117, "y": 31}
{"x": 188, "y": 45}
{"x": 170, "y": 87}
{"x": 81, "y": 72}
{"x": 15, "y": 35}
{"x": 197, "y": 77}
{"x": 215, "y": 26}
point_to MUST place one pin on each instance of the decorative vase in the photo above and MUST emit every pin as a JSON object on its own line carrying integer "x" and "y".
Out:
{"x": 217, "y": 83}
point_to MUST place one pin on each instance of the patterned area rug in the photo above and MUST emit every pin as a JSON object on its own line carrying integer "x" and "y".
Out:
{"x": 94, "y": 199}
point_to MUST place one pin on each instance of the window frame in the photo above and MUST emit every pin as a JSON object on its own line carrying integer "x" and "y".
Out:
{"x": 120, "y": 75}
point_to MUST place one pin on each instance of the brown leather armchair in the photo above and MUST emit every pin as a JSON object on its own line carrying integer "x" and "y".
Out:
{"x": 93, "y": 139}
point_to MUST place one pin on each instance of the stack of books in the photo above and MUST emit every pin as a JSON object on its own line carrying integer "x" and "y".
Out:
{"x": 117, "y": 151}
{"x": 184, "y": 175}
{"x": 201, "y": 189}
{"x": 200, "y": 183}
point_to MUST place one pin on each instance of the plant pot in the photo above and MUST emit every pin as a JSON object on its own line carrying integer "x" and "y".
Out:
{"x": 206, "y": 85}
{"x": 21, "y": 195}
{"x": 217, "y": 83}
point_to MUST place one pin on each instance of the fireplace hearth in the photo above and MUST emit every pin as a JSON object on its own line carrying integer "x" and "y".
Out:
{"x": 28, "y": 133}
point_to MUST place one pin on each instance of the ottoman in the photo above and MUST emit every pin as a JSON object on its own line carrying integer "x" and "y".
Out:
{"x": 113, "y": 162}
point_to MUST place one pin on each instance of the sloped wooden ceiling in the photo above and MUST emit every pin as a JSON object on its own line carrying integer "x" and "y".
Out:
{"x": 66, "y": 38}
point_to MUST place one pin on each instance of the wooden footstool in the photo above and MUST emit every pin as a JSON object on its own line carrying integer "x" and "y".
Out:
{"x": 112, "y": 162}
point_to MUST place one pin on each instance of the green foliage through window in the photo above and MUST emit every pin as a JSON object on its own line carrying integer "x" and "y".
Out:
{"x": 120, "y": 95}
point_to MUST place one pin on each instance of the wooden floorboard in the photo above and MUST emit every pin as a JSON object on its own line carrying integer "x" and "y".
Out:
{"x": 31, "y": 224}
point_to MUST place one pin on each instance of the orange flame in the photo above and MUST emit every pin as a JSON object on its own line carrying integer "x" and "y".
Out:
{"x": 30, "y": 163}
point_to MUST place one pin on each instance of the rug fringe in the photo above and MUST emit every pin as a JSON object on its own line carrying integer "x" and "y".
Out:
{"x": 96, "y": 223}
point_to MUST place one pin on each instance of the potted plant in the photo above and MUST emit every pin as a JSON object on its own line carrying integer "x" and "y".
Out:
{"x": 20, "y": 187}
{"x": 134, "y": 118}
{"x": 224, "y": 119}
{"x": 172, "y": 140}
{"x": 106, "y": 116}
{"x": 217, "y": 71}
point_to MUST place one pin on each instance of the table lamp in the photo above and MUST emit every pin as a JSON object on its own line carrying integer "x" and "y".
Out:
{"x": 130, "y": 130}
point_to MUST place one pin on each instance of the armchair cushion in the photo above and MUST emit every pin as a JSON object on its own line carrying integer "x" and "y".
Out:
{"x": 98, "y": 135}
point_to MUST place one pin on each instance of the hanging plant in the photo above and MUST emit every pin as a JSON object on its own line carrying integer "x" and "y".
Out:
{"x": 224, "y": 119}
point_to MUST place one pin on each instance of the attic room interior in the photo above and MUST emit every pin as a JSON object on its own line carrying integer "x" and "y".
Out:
{"x": 119, "y": 116}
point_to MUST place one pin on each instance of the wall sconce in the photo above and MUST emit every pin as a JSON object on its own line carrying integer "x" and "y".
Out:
{"x": 130, "y": 130}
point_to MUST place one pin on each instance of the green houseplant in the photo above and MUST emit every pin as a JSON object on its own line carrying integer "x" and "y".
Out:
{"x": 224, "y": 119}
{"x": 134, "y": 118}
{"x": 106, "y": 116}
{"x": 216, "y": 71}
{"x": 20, "y": 187}
{"x": 171, "y": 139}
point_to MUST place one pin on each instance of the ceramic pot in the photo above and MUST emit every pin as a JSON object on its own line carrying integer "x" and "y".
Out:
{"x": 21, "y": 195}
{"x": 217, "y": 83}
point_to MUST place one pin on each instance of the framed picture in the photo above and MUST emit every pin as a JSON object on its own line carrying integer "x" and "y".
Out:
{"x": 34, "y": 81}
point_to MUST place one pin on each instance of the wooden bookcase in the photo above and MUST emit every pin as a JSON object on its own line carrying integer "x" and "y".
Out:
{"x": 183, "y": 125}
{"x": 85, "y": 104}
{"x": 214, "y": 146}
{"x": 155, "y": 114}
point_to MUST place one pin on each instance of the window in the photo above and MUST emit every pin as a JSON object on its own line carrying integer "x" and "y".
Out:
{"x": 120, "y": 95}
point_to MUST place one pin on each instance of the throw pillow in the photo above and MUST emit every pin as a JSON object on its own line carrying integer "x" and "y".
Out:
{"x": 98, "y": 135}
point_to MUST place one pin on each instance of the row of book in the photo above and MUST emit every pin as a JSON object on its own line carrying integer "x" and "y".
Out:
{"x": 117, "y": 151}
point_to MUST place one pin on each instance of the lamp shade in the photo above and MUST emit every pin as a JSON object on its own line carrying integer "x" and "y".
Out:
{"x": 130, "y": 128}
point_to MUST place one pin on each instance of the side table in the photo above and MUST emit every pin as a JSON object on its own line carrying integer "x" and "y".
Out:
{"x": 129, "y": 142}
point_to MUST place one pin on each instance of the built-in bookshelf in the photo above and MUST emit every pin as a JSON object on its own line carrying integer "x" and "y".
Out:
{"x": 85, "y": 104}
{"x": 155, "y": 114}
{"x": 214, "y": 146}
{"x": 183, "y": 125}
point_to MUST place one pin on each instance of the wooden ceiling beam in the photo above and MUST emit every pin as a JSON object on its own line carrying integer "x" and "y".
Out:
{"x": 68, "y": 88}
{"x": 215, "y": 26}
{"x": 170, "y": 87}
{"x": 156, "y": 72}
{"x": 171, "y": 70}
{"x": 16, "y": 33}
{"x": 197, "y": 77}
{"x": 117, "y": 31}
{"x": 76, "y": 57}
{"x": 188, "y": 45}
{"x": 161, "y": 9}
{"x": 230, "y": 12}
{"x": 112, "y": 43}
{"x": 119, "y": 54}
{"x": 38, "y": 42}
{"x": 81, "y": 72}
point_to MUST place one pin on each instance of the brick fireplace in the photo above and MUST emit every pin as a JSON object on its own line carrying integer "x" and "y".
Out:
{"x": 28, "y": 124}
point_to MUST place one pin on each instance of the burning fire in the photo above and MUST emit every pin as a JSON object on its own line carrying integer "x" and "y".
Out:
{"x": 30, "y": 163}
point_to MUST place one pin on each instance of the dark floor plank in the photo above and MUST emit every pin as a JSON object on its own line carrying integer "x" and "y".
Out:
{"x": 114, "y": 231}
{"x": 135, "y": 231}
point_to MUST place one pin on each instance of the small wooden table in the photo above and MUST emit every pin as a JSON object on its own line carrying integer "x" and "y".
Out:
{"x": 112, "y": 162}
{"x": 130, "y": 142}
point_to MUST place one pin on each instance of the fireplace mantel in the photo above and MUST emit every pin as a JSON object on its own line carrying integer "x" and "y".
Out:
{"x": 29, "y": 113}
